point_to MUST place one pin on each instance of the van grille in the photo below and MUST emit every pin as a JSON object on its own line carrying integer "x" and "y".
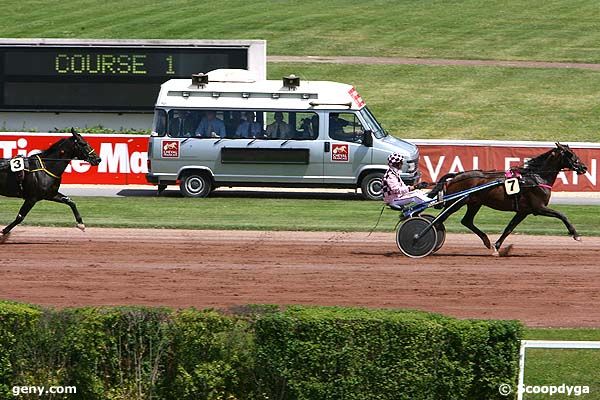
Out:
{"x": 412, "y": 165}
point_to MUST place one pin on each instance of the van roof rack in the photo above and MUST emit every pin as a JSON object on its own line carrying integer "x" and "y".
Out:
{"x": 316, "y": 104}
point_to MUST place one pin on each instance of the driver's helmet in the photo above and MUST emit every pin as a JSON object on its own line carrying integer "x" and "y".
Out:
{"x": 395, "y": 159}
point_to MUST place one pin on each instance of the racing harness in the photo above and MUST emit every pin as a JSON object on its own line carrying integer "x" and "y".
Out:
{"x": 20, "y": 165}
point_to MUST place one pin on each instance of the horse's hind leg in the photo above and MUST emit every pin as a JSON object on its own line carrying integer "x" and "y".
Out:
{"x": 25, "y": 208}
{"x": 61, "y": 198}
{"x": 472, "y": 210}
{"x": 548, "y": 212}
{"x": 516, "y": 220}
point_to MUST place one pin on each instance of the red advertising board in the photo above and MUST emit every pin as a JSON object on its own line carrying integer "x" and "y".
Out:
{"x": 124, "y": 158}
{"x": 438, "y": 159}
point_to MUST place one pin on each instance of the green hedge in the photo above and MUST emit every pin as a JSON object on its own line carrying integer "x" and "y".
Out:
{"x": 255, "y": 353}
{"x": 339, "y": 353}
{"x": 18, "y": 323}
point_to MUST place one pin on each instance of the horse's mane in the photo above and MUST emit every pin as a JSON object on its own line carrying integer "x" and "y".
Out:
{"x": 54, "y": 147}
{"x": 536, "y": 163}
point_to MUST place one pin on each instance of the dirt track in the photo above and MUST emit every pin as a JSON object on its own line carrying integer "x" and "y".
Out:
{"x": 547, "y": 281}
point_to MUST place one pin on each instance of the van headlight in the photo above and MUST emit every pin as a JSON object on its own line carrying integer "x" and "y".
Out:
{"x": 411, "y": 166}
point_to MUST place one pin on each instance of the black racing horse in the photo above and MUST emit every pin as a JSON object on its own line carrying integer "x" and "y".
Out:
{"x": 536, "y": 176}
{"x": 41, "y": 180}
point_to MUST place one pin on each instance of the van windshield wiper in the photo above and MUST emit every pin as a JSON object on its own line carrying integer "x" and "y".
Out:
{"x": 252, "y": 141}
{"x": 284, "y": 142}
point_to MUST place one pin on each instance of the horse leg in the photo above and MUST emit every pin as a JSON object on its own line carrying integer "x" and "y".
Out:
{"x": 451, "y": 209}
{"x": 25, "y": 208}
{"x": 61, "y": 198}
{"x": 472, "y": 210}
{"x": 516, "y": 220}
{"x": 548, "y": 212}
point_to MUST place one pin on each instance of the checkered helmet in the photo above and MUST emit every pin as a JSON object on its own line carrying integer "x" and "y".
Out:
{"x": 395, "y": 159}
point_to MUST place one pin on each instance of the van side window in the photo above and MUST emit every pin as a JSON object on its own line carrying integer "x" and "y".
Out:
{"x": 292, "y": 125}
{"x": 239, "y": 124}
{"x": 211, "y": 125}
{"x": 159, "y": 126}
{"x": 182, "y": 123}
{"x": 278, "y": 126}
{"x": 345, "y": 127}
{"x": 307, "y": 126}
{"x": 248, "y": 127}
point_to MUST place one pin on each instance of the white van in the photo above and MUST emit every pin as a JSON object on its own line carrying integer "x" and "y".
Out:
{"x": 227, "y": 129}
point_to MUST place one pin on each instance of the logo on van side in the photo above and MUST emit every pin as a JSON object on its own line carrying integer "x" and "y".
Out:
{"x": 340, "y": 152}
{"x": 170, "y": 149}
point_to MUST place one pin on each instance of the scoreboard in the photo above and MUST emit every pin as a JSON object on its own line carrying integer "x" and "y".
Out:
{"x": 98, "y": 76}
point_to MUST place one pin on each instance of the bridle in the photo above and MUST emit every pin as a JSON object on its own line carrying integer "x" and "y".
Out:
{"x": 81, "y": 146}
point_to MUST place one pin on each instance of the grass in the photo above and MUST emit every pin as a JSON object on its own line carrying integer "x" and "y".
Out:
{"x": 557, "y": 30}
{"x": 555, "y": 367}
{"x": 271, "y": 214}
{"x": 471, "y": 103}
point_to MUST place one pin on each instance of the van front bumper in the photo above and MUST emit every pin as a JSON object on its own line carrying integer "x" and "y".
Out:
{"x": 151, "y": 178}
{"x": 160, "y": 179}
{"x": 412, "y": 179}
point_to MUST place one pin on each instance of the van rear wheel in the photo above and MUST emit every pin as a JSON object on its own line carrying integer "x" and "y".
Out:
{"x": 196, "y": 185}
{"x": 372, "y": 186}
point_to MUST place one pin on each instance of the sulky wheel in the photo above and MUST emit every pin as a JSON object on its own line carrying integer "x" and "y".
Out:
{"x": 410, "y": 243}
{"x": 440, "y": 230}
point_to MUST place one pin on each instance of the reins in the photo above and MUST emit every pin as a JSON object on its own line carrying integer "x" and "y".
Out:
{"x": 43, "y": 168}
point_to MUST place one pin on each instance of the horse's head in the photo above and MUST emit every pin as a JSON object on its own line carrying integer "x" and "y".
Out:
{"x": 82, "y": 150}
{"x": 569, "y": 159}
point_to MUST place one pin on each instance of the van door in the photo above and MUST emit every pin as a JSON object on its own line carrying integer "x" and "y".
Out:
{"x": 345, "y": 154}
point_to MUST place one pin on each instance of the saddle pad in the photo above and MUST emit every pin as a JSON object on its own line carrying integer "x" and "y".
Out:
{"x": 5, "y": 164}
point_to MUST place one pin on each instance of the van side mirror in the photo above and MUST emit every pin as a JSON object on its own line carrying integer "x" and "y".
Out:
{"x": 367, "y": 139}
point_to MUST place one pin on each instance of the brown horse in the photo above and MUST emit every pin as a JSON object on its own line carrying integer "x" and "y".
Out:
{"x": 536, "y": 178}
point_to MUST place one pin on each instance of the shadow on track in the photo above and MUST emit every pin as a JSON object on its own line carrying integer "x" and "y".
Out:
{"x": 257, "y": 194}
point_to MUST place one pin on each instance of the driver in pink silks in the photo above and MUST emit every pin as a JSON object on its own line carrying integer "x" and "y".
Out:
{"x": 395, "y": 191}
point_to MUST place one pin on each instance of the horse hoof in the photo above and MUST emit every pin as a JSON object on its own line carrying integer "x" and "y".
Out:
{"x": 495, "y": 253}
{"x": 4, "y": 237}
{"x": 81, "y": 227}
{"x": 577, "y": 238}
{"x": 506, "y": 251}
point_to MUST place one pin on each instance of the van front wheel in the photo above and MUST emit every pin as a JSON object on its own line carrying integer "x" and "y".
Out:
{"x": 195, "y": 185}
{"x": 372, "y": 186}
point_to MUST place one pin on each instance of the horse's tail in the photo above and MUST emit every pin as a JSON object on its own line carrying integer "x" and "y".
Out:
{"x": 439, "y": 186}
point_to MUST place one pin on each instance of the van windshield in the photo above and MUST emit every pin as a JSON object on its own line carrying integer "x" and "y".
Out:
{"x": 159, "y": 126}
{"x": 373, "y": 124}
